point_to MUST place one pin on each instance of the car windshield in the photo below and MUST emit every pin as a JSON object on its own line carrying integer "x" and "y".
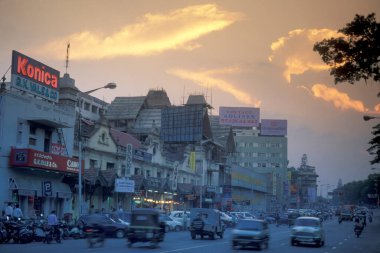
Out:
{"x": 249, "y": 225}
{"x": 307, "y": 223}
{"x": 164, "y": 217}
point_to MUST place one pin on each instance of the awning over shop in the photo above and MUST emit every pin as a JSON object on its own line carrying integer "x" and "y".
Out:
{"x": 25, "y": 187}
{"x": 50, "y": 122}
{"x": 34, "y": 187}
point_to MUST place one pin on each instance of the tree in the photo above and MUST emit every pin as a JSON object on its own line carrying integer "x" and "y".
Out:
{"x": 356, "y": 54}
{"x": 374, "y": 149}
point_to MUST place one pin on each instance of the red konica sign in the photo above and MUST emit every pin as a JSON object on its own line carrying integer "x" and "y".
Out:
{"x": 27, "y": 157}
{"x": 34, "y": 77}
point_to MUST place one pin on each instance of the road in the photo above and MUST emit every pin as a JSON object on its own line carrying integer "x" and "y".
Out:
{"x": 340, "y": 238}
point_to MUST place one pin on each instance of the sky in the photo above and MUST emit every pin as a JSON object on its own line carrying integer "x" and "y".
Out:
{"x": 237, "y": 53}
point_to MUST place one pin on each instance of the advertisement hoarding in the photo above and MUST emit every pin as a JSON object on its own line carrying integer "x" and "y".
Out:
{"x": 274, "y": 127}
{"x": 239, "y": 116}
{"x": 34, "y": 77}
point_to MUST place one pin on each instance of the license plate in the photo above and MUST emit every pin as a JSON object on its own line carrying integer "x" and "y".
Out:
{"x": 149, "y": 235}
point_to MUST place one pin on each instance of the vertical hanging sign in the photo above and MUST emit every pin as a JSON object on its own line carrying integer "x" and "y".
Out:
{"x": 175, "y": 175}
{"x": 128, "y": 164}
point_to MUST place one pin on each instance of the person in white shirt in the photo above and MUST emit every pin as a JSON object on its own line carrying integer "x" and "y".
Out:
{"x": 9, "y": 210}
{"x": 17, "y": 212}
{"x": 53, "y": 221}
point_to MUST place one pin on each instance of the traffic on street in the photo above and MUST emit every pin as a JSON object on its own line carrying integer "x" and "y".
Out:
{"x": 339, "y": 237}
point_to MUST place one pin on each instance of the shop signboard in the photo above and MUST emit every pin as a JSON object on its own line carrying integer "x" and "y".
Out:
{"x": 239, "y": 116}
{"x": 27, "y": 157}
{"x": 34, "y": 77}
{"x": 124, "y": 185}
{"x": 47, "y": 189}
{"x": 274, "y": 127}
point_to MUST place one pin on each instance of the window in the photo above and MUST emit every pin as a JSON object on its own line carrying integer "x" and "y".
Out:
{"x": 147, "y": 173}
{"x": 137, "y": 171}
{"x": 94, "y": 109}
{"x": 159, "y": 174}
{"x": 93, "y": 163}
{"x": 110, "y": 166}
{"x": 32, "y": 141}
{"x": 87, "y": 106}
{"x": 47, "y": 141}
{"x": 33, "y": 130}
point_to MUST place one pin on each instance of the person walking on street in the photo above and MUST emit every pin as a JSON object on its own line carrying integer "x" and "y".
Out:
{"x": 184, "y": 219}
{"x": 17, "y": 213}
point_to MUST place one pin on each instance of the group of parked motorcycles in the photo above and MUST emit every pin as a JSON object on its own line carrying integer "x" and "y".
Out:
{"x": 21, "y": 231}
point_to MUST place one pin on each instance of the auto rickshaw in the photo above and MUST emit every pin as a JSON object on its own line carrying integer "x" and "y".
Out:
{"x": 145, "y": 227}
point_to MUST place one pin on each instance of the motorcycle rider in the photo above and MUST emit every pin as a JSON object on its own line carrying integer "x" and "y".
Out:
{"x": 53, "y": 221}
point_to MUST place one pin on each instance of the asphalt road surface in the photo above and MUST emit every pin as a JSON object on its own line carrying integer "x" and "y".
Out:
{"x": 340, "y": 238}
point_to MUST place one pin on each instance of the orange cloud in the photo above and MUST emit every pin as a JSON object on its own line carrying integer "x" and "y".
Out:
{"x": 207, "y": 79}
{"x": 154, "y": 33}
{"x": 339, "y": 99}
{"x": 295, "y": 54}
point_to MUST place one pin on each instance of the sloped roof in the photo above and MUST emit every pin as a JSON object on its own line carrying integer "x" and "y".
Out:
{"x": 157, "y": 99}
{"x": 146, "y": 119}
{"x": 125, "y": 107}
{"x": 197, "y": 100}
{"x": 123, "y": 139}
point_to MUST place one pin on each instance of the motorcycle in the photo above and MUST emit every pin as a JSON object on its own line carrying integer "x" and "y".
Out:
{"x": 17, "y": 231}
{"x": 358, "y": 230}
{"x": 51, "y": 234}
{"x": 95, "y": 235}
{"x": 3, "y": 233}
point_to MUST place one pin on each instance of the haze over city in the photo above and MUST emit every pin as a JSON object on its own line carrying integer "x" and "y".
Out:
{"x": 236, "y": 53}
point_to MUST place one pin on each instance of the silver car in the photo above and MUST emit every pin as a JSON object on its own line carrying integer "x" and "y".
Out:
{"x": 307, "y": 230}
{"x": 251, "y": 233}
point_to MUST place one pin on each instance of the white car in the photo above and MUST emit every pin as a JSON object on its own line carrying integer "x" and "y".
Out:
{"x": 178, "y": 216}
{"x": 308, "y": 230}
{"x": 170, "y": 224}
{"x": 226, "y": 219}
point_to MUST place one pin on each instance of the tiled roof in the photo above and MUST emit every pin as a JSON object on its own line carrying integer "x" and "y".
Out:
{"x": 108, "y": 177}
{"x": 125, "y": 107}
{"x": 157, "y": 99}
{"x": 146, "y": 119}
{"x": 91, "y": 175}
{"x": 123, "y": 139}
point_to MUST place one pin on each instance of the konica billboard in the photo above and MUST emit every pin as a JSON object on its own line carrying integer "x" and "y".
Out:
{"x": 274, "y": 127}
{"x": 239, "y": 116}
{"x": 34, "y": 77}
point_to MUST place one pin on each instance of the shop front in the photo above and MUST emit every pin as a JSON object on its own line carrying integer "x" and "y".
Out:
{"x": 36, "y": 182}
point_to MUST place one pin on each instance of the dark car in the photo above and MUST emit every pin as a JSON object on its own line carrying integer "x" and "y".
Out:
{"x": 253, "y": 233}
{"x": 146, "y": 227}
{"x": 110, "y": 226}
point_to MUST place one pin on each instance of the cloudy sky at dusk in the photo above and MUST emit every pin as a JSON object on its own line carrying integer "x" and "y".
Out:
{"x": 237, "y": 53}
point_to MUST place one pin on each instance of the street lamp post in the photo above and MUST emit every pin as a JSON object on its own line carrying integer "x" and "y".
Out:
{"x": 367, "y": 117}
{"x": 107, "y": 86}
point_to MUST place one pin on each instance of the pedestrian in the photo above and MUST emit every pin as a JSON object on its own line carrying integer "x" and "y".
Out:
{"x": 53, "y": 221}
{"x": 17, "y": 213}
{"x": 9, "y": 210}
{"x": 184, "y": 219}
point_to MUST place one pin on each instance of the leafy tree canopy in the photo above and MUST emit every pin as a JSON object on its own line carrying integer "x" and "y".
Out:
{"x": 356, "y": 55}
